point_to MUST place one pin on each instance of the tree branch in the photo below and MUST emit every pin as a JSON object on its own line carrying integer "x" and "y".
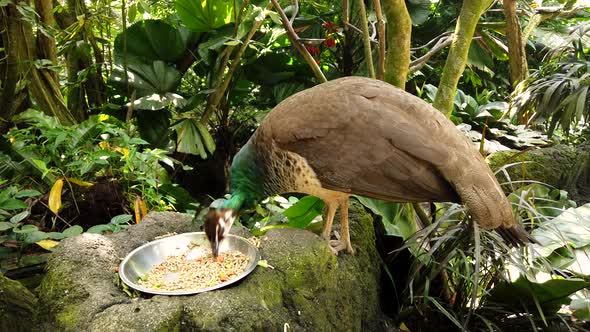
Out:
{"x": 421, "y": 61}
{"x": 381, "y": 31}
{"x": 366, "y": 38}
{"x": 294, "y": 38}
{"x": 221, "y": 89}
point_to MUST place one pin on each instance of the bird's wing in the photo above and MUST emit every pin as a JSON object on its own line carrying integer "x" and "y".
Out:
{"x": 365, "y": 137}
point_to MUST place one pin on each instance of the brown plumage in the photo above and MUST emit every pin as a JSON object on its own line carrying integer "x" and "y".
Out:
{"x": 361, "y": 136}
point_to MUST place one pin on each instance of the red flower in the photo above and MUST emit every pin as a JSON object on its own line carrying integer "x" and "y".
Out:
{"x": 313, "y": 50}
{"x": 328, "y": 25}
{"x": 330, "y": 42}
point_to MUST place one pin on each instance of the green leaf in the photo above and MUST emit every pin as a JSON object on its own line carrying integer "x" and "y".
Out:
{"x": 73, "y": 231}
{"x": 522, "y": 293}
{"x": 36, "y": 117}
{"x": 205, "y": 15}
{"x": 99, "y": 229}
{"x": 150, "y": 40}
{"x": 216, "y": 40}
{"x": 479, "y": 58}
{"x": 157, "y": 102}
{"x": 121, "y": 219}
{"x": 498, "y": 48}
{"x": 27, "y": 193}
{"x": 25, "y": 229}
{"x": 35, "y": 236}
{"x": 6, "y": 226}
{"x": 206, "y": 137}
{"x": 581, "y": 309}
{"x": 193, "y": 137}
{"x": 20, "y": 217}
{"x": 398, "y": 218}
{"x": 304, "y": 211}
{"x": 419, "y": 10}
{"x": 147, "y": 79}
{"x": 11, "y": 204}
{"x": 56, "y": 235}
{"x": 569, "y": 228}
{"x": 132, "y": 13}
{"x": 254, "y": 13}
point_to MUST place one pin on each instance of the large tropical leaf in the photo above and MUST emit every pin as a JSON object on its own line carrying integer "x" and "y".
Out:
{"x": 147, "y": 79}
{"x": 205, "y": 15}
{"x": 194, "y": 138}
{"x": 419, "y": 10}
{"x": 159, "y": 101}
{"x": 571, "y": 228}
{"x": 304, "y": 211}
{"x": 524, "y": 295}
{"x": 151, "y": 40}
{"x": 398, "y": 218}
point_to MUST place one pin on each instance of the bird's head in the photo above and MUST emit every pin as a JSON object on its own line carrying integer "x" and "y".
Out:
{"x": 217, "y": 225}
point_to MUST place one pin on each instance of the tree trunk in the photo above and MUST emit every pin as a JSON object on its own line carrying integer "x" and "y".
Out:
{"x": 516, "y": 51}
{"x": 82, "y": 95}
{"x": 457, "y": 58}
{"x": 399, "y": 33}
{"x": 44, "y": 89}
{"x": 46, "y": 48}
{"x": 11, "y": 99}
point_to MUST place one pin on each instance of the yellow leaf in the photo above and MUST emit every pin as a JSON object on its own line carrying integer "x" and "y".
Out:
{"x": 403, "y": 327}
{"x": 80, "y": 182}
{"x": 47, "y": 244}
{"x": 143, "y": 207}
{"x": 55, "y": 196}
{"x": 140, "y": 209}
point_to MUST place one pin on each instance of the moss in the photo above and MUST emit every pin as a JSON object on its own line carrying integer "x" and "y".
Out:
{"x": 64, "y": 295}
{"x": 561, "y": 166}
{"x": 17, "y": 306}
{"x": 69, "y": 317}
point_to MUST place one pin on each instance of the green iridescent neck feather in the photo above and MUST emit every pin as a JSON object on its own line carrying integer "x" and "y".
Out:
{"x": 246, "y": 178}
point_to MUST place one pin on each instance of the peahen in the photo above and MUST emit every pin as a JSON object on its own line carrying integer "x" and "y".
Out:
{"x": 356, "y": 135}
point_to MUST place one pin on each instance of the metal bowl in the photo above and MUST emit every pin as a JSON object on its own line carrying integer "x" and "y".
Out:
{"x": 141, "y": 260}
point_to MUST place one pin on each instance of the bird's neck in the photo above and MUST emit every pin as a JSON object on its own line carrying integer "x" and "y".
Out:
{"x": 235, "y": 202}
{"x": 246, "y": 178}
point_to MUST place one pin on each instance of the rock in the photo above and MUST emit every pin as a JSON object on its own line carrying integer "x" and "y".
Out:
{"x": 308, "y": 289}
{"x": 17, "y": 306}
{"x": 562, "y": 166}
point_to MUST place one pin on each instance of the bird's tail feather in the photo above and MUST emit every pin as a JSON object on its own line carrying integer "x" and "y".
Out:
{"x": 516, "y": 235}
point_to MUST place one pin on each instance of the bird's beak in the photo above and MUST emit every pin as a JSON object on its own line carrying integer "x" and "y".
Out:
{"x": 215, "y": 246}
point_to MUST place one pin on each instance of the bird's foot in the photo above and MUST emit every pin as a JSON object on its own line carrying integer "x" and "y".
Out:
{"x": 339, "y": 245}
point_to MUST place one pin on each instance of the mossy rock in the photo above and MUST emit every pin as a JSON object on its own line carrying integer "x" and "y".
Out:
{"x": 308, "y": 289}
{"x": 17, "y": 306}
{"x": 565, "y": 167}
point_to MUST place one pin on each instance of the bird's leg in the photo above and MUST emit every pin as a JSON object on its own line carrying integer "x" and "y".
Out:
{"x": 332, "y": 205}
{"x": 344, "y": 242}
